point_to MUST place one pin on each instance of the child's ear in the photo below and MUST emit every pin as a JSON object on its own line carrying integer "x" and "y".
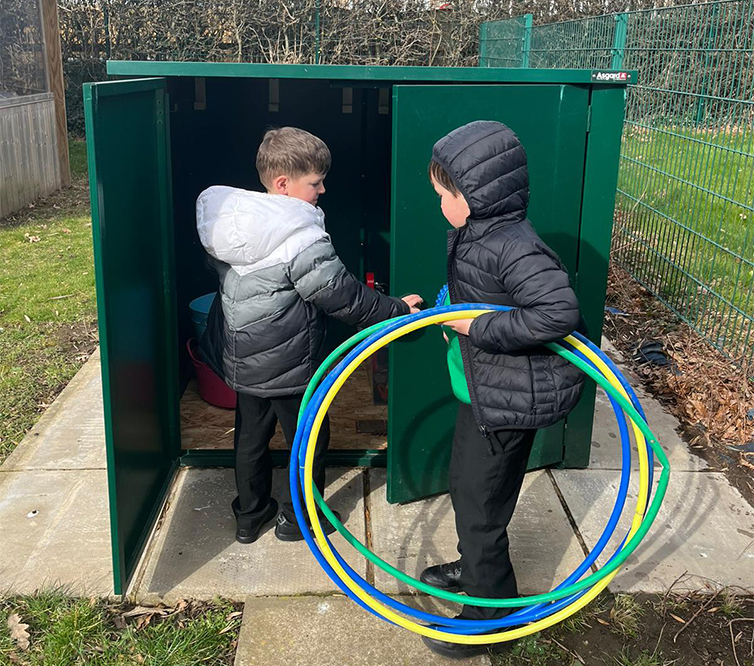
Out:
{"x": 280, "y": 185}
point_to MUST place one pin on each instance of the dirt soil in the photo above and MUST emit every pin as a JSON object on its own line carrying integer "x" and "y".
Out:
{"x": 711, "y": 396}
{"x": 715, "y": 629}
{"x": 79, "y": 340}
{"x": 69, "y": 200}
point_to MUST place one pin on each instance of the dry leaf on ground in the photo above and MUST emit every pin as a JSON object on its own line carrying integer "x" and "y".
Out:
{"x": 18, "y": 631}
{"x": 710, "y": 390}
{"x": 146, "y": 610}
{"x": 143, "y": 621}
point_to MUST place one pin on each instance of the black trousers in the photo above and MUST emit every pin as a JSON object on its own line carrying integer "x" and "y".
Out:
{"x": 485, "y": 481}
{"x": 256, "y": 419}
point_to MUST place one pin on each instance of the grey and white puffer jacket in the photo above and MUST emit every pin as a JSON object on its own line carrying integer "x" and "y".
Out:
{"x": 497, "y": 257}
{"x": 279, "y": 279}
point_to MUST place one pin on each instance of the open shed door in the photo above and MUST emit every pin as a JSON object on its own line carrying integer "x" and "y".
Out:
{"x": 128, "y": 151}
{"x": 551, "y": 121}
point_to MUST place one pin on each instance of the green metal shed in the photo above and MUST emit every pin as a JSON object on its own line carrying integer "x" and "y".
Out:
{"x": 155, "y": 143}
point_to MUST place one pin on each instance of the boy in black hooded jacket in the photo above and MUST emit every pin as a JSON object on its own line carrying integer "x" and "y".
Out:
{"x": 514, "y": 385}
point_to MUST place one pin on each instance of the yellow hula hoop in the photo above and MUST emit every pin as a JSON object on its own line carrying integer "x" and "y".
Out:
{"x": 389, "y": 614}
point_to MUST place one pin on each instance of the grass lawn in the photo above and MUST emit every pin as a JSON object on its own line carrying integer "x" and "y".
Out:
{"x": 686, "y": 210}
{"x": 47, "y": 303}
{"x": 61, "y": 630}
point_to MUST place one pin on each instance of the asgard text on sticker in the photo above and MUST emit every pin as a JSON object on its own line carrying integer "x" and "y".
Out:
{"x": 612, "y": 77}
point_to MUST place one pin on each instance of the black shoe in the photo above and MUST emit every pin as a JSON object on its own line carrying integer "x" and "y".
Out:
{"x": 443, "y": 576}
{"x": 250, "y": 536}
{"x": 454, "y": 650}
{"x": 288, "y": 530}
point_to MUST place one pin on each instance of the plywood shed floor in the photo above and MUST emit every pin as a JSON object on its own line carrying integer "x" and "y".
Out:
{"x": 353, "y": 419}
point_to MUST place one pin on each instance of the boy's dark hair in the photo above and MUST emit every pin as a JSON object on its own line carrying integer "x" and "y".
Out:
{"x": 293, "y": 152}
{"x": 441, "y": 177}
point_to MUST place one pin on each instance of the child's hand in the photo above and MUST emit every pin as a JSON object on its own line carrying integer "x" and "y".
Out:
{"x": 412, "y": 301}
{"x": 461, "y": 326}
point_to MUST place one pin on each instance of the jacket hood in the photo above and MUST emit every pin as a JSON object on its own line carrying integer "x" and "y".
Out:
{"x": 488, "y": 164}
{"x": 251, "y": 230}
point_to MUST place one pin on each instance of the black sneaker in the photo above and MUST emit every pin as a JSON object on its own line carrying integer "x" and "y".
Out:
{"x": 288, "y": 530}
{"x": 443, "y": 576}
{"x": 462, "y": 651}
{"x": 246, "y": 536}
{"x": 454, "y": 650}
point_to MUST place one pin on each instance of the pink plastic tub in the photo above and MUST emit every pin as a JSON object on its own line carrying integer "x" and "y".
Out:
{"x": 212, "y": 389}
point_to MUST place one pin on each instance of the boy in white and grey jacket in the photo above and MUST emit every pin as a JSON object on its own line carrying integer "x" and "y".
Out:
{"x": 279, "y": 280}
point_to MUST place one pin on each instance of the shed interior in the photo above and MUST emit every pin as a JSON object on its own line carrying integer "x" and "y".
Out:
{"x": 216, "y": 127}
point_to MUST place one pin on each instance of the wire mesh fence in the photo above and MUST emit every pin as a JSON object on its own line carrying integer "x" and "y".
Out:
{"x": 22, "y": 56}
{"x": 574, "y": 44}
{"x": 685, "y": 201}
{"x": 505, "y": 42}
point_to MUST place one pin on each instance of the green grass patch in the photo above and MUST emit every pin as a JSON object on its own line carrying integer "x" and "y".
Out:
{"x": 64, "y": 630}
{"x": 625, "y": 616}
{"x": 47, "y": 303}
{"x": 533, "y": 650}
{"x": 77, "y": 158}
{"x": 585, "y": 618}
{"x": 732, "y": 605}
{"x": 644, "y": 658}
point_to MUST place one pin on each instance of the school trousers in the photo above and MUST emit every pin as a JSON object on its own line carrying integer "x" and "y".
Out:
{"x": 486, "y": 474}
{"x": 256, "y": 419}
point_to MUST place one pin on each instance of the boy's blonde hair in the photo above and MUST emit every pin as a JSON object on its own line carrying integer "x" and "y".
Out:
{"x": 292, "y": 152}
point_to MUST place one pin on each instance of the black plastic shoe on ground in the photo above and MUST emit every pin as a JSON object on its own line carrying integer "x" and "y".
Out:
{"x": 454, "y": 650}
{"x": 459, "y": 651}
{"x": 250, "y": 536}
{"x": 443, "y": 576}
{"x": 288, "y": 530}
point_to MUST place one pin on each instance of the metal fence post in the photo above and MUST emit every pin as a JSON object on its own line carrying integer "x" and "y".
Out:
{"x": 526, "y": 50}
{"x": 701, "y": 107}
{"x": 619, "y": 40}
{"x": 484, "y": 47}
{"x": 317, "y": 5}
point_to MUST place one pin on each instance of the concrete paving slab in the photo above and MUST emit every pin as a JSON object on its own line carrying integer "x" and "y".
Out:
{"x": 705, "y": 528}
{"x": 413, "y": 536}
{"x": 327, "y": 631}
{"x": 195, "y": 554}
{"x": 55, "y": 532}
{"x": 71, "y": 432}
{"x": 606, "y": 452}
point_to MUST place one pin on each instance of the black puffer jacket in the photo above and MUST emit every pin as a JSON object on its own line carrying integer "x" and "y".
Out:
{"x": 497, "y": 258}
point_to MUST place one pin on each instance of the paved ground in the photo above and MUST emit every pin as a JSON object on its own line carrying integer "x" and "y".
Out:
{"x": 55, "y": 531}
{"x": 53, "y": 497}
